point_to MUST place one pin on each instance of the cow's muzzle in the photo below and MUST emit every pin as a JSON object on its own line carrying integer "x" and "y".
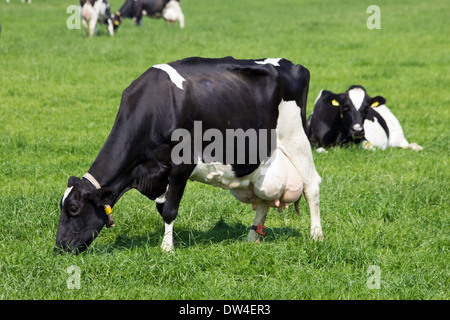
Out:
{"x": 357, "y": 131}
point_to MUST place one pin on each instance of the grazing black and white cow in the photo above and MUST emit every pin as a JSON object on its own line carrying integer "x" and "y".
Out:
{"x": 339, "y": 118}
{"x": 382, "y": 130}
{"x": 93, "y": 11}
{"x": 170, "y": 10}
{"x": 235, "y": 124}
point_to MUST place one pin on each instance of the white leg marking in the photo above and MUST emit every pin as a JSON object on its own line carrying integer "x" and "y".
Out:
{"x": 167, "y": 244}
{"x": 174, "y": 76}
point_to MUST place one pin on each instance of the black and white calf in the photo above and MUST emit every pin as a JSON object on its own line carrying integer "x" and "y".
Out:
{"x": 354, "y": 116}
{"x": 93, "y": 11}
{"x": 170, "y": 10}
{"x": 194, "y": 103}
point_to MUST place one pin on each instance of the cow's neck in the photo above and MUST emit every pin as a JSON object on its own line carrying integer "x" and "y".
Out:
{"x": 115, "y": 163}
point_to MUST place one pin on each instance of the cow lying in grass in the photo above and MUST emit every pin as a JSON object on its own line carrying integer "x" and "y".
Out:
{"x": 354, "y": 117}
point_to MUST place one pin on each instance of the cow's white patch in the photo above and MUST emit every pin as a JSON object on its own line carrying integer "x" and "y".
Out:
{"x": 218, "y": 175}
{"x": 375, "y": 134}
{"x": 357, "y": 97}
{"x": 172, "y": 12}
{"x": 66, "y": 194}
{"x": 162, "y": 198}
{"x": 272, "y": 61}
{"x": 396, "y": 136}
{"x": 174, "y": 76}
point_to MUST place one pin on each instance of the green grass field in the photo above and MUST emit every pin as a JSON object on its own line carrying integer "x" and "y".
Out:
{"x": 60, "y": 92}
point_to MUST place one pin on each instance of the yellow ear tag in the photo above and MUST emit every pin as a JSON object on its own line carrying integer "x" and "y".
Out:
{"x": 108, "y": 210}
{"x": 116, "y": 22}
{"x": 375, "y": 104}
{"x": 335, "y": 103}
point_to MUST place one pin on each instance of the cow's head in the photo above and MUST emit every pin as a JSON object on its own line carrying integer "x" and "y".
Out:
{"x": 116, "y": 19}
{"x": 82, "y": 215}
{"x": 353, "y": 107}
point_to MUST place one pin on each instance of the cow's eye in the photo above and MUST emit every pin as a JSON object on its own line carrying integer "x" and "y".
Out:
{"x": 73, "y": 208}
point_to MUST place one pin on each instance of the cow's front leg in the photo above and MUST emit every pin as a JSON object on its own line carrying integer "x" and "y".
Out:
{"x": 258, "y": 228}
{"x": 169, "y": 208}
{"x": 168, "y": 242}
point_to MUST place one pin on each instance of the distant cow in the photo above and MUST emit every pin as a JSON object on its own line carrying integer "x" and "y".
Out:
{"x": 170, "y": 10}
{"x": 189, "y": 102}
{"x": 352, "y": 117}
{"x": 93, "y": 11}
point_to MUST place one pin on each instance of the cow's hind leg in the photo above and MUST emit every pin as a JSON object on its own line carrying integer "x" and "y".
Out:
{"x": 258, "y": 229}
{"x": 169, "y": 208}
{"x": 311, "y": 191}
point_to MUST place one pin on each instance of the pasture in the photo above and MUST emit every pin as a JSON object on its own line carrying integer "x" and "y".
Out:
{"x": 384, "y": 214}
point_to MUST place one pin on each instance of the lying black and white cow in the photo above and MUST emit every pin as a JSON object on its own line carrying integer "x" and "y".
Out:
{"x": 354, "y": 116}
{"x": 93, "y": 11}
{"x": 170, "y": 10}
{"x": 235, "y": 124}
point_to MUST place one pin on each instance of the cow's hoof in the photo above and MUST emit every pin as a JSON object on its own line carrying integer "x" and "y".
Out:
{"x": 167, "y": 247}
{"x": 317, "y": 235}
{"x": 413, "y": 146}
{"x": 254, "y": 237}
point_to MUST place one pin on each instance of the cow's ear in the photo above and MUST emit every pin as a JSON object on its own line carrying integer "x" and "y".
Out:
{"x": 335, "y": 100}
{"x": 101, "y": 197}
{"x": 377, "y": 101}
{"x": 74, "y": 181}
